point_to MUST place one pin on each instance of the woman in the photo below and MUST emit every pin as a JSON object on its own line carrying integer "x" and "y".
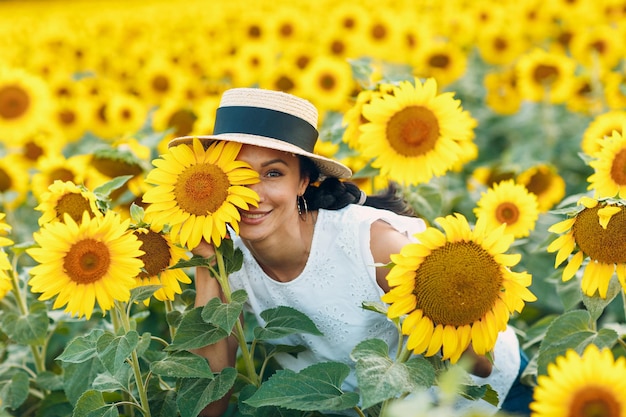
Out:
{"x": 313, "y": 243}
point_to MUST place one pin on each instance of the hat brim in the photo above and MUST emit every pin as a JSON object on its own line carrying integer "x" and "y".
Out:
{"x": 327, "y": 166}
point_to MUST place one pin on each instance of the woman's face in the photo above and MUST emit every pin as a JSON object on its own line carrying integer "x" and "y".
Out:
{"x": 278, "y": 189}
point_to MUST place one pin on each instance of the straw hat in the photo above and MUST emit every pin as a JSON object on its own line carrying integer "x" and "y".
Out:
{"x": 270, "y": 119}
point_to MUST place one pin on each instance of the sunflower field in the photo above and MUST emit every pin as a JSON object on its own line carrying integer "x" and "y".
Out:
{"x": 503, "y": 122}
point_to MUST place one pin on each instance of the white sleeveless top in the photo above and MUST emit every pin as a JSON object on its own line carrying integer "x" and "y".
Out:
{"x": 337, "y": 278}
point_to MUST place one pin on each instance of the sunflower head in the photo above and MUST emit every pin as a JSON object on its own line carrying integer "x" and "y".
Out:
{"x": 595, "y": 232}
{"x": 198, "y": 191}
{"x": 455, "y": 288}
{"x": 591, "y": 384}
{"x": 66, "y": 198}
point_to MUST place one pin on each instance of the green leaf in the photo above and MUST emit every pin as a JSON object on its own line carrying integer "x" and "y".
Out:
{"x": 317, "y": 387}
{"x": 82, "y": 348}
{"x": 426, "y": 200}
{"x": 195, "y": 394}
{"x": 380, "y": 378}
{"x": 113, "y": 350}
{"x": 29, "y": 329}
{"x": 183, "y": 365}
{"x": 569, "y": 292}
{"x": 108, "y": 187}
{"x": 194, "y": 332}
{"x": 282, "y": 321}
{"x": 143, "y": 292}
{"x": 137, "y": 213}
{"x": 569, "y": 331}
{"x": 268, "y": 411}
{"x": 78, "y": 377}
{"x": 49, "y": 381}
{"x": 105, "y": 382}
{"x": 193, "y": 262}
{"x": 233, "y": 257}
{"x": 162, "y": 403}
{"x": 596, "y": 305}
{"x": 606, "y": 338}
{"x": 377, "y": 307}
{"x": 225, "y": 315}
{"x": 91, "y": 404}
{"x": 14, "y": 391}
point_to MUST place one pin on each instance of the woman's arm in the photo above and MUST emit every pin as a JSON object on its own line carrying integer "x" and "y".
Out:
{"x": 385, "y": 240}
{"x": 223, "y": 353}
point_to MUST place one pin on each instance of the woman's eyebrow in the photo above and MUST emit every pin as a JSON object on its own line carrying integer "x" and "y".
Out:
{"x": 274, "y": 161}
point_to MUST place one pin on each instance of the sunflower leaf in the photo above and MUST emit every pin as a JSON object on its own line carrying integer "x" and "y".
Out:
{"x": 27, "y": 329}
{"x": 182, "y": 365}
{"x": 82, "y": 348}
{"x": 143, "y": 292}
{"x": 225, "y": 315}
{"x": 195, "y": 394}
{"x": 317, "y": 387}
{"x": 14, "y": 391}
{"x": 108, "y": 187}
{"x": 195, "y": 260}
{"x": 380, "y": 378}
{"x": 596, "y": 305}
{"x": 282, "y": 321}
{"x": 91, "y": 404}
{"x": 113, "y": 351}
{"x": 569, "y": 331}
{"x": 194, "y": 332}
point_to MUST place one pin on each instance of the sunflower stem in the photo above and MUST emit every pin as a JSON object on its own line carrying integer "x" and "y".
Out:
{"x": 169, "y": 307}
{"x": 134, "y": 359}
{"x": 38, "y": 359}
{"x": 222, "y": 278}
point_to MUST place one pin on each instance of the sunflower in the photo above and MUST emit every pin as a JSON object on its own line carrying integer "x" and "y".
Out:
{"x": 614, "y": 91}
{"x": 65, "y": 197}
{"x": 126, "y": 113}
{"x": 501, "y": 43}
{"x": 456, "y": 288}
{"x": 545, "y": 76}
{"x": 328, "y": 82}
{"x": 160, "y": 254}
{"x": 53, "y": 167}
{"x": 597, "y": 232}
{"x": 591, "y": 384}
{"x": 598, "y": 47}
{"x": 502, "y": 95}
{"x": 198, "y": 191}
{"x": 444, "y": 61}
{"x": 353, "y": 117}
{"x": 544, "y": 182}
{"x": 13, "y": 181}
{"x": 601, "y": 127}
{"x": 609, "y": 177}
{"x": 510, "y": 204}
{"x": 415, "y": 127}
{"x": 25, "y": 103}
{"x": 94, "y": 261}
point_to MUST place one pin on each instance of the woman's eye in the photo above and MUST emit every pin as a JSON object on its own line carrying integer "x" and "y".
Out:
{"x": 273, "y": 174}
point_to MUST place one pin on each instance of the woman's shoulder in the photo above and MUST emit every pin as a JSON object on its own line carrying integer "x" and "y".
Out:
{"x": 365, "y": 215}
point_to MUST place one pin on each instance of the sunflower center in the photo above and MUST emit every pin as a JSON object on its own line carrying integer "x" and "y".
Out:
{"x": 182, "y": 121}
{"x": 115, "y": 167}
{"x": 157, "y": 253}
{"x": 14, "y": 102}
{"x": 327, "y": 82}
{"x": 594, "y": 402}
{"x": 32, "y": 151}
{"x": 618, "y": 168}
{"x": 507, "y": 213}
{"x": 87, "y": 261}
{"x": 545, "y": 74}
{"x": 160, "y": 84}
{"x": 457, "y": 284}
{"x": 439, "y": 61}
{"x": 201, "y": 189}
{"x": 603, "y": 245}
{"x": 5, "y": 181}
{"x": 73, "y": 204}
{"x": 61, "y": 174}
{"x": 539, "y": 182}
{"x": 413, "y": 131}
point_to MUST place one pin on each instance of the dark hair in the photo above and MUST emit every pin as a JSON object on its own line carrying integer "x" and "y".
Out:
{"x": 333, "y": 194}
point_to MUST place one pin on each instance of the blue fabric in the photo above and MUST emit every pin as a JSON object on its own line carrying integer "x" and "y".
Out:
{"x": 520, "y": 395}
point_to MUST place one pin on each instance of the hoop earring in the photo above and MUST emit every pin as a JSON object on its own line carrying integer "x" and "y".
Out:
{"x": 303, "y": 208}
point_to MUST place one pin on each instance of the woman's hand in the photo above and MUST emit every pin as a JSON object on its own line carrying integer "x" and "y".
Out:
{"x": 204, "y": 249}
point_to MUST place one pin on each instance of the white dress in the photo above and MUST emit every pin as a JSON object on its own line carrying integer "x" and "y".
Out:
{"x": 338, "y": 277}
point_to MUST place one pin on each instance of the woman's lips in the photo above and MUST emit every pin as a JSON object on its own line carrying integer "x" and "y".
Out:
{"x": 249, "y": 217}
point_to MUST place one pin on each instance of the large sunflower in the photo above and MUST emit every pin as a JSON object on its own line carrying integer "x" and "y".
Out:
{"x": 509, "y": 204}
{"x": 65, "y": 197}
{"x": 94, "y": 261}
{"x": 600, "y": 127}
{"x": 198, "y": 191}
{"x": 597, "y": 231}
{"x": 160, "y": 254}
{"x": 456, "y": 287}
{"x": 591, "y": 384}
{"x": 609, "y": 178}
{"x": 414, "y": 133}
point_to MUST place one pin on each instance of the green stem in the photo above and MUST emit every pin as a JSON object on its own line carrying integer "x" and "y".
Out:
{"x": 359, "y": 411}
{"x": 38, "y": 358}
{"x": 169, "y": 307}
{"x": 134, "y": 360}
{"x": 222, "y": 277}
